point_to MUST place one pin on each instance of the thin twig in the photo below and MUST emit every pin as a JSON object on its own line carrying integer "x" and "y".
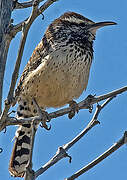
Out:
{"x": 46, "y": 5}
{"x": 17, "y": 66}
{"x": 26, "y": 4}
{"x": 25, "y": 28}
{"x": 62, "y": 152}
{"x": 17, "y": 28}
{"x": 61, "y": 112}
{"x": 94, "y": 100}
{"x": 112, "y": 149}
{"x": 91, "y": 124}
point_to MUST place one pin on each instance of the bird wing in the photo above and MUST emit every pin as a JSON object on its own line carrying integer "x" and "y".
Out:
{"x": 41, "y": 51}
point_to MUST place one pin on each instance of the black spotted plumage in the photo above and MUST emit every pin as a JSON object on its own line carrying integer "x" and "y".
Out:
{"x": 56, "y": 73}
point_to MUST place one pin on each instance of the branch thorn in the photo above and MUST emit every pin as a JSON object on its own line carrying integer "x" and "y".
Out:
{"x": 43, "y": 17}
{"x": 65, "y": 154}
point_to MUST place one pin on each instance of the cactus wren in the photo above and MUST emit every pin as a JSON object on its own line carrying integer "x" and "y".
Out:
{"x": 56, "y": 73}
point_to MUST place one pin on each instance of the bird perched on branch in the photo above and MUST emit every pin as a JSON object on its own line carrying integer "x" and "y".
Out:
{"x": 56, "y": 74}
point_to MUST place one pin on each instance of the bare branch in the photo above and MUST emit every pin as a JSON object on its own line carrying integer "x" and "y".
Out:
{"x": 61, "y": 153}
{"x": 17, "y": 28}
{"x": 82, "y": 105}
{"x": 112, "y": 149}
{"x": 46, "y": 5}
{"x": 17, "y": 66}
{"x": 5, "y": 16}
{"x": 93, "y": 100}
{"x": 26, "y": 4}
{"x": 91, "y": 124}
{"x": 25, "y": 28}
{"x": 6, "y": 120}
{"x": 85, "y": 104}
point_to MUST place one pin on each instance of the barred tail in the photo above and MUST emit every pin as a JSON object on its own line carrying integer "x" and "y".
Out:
{"x": 21, "y": 151}
{"x": 22, "y": 146}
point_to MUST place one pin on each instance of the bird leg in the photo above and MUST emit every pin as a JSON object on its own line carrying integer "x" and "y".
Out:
{"x": 46, "y": 119}
{"x": 43, "y": 114}
{"x": 89, "y": 99}
{"x": 10, "y": 101}
{"x": 74, "y": 108}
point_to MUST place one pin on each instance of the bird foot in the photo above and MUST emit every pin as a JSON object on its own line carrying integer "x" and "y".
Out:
{"x": 74, "y": 108}
{"x": 89, "y": 99}
{"x": 43, "y": 114}
{"x": 10, "y": 101}
{"x": 45, "y": 119}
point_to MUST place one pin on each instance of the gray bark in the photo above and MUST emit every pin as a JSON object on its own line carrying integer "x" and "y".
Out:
{"x": 5, "y": 16}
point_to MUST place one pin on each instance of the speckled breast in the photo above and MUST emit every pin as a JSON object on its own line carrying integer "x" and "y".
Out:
{"x": 61, "y": 77}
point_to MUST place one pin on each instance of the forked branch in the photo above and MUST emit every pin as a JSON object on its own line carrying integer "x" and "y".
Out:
{"x": 85, "y": 104}
{"x": 23, "y": 5}
{"x": 62, "y": 151}
{"x": 112, "y": 149}
{"x": 5, "y": 120}
{"x": 25, "y": 26}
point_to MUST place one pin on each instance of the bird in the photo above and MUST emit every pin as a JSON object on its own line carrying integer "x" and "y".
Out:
{"x": 56, "y": 74}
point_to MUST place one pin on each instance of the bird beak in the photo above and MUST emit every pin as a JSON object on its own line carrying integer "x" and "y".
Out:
{"x": 94, "y": 27}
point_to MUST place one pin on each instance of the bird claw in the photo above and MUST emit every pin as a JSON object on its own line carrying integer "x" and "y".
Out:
{"x": 44, "y": 115}
{"x": 10, "y": 101}
{"x": 44, "y": 125}
{"x": 46, "y": 119}
{"x": 89, "y": 99}
{"x": 90, "y": 108}
{"x": 74, "y": 108}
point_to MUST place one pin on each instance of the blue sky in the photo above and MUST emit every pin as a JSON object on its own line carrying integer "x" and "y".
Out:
{"x": 108, "y": 72}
